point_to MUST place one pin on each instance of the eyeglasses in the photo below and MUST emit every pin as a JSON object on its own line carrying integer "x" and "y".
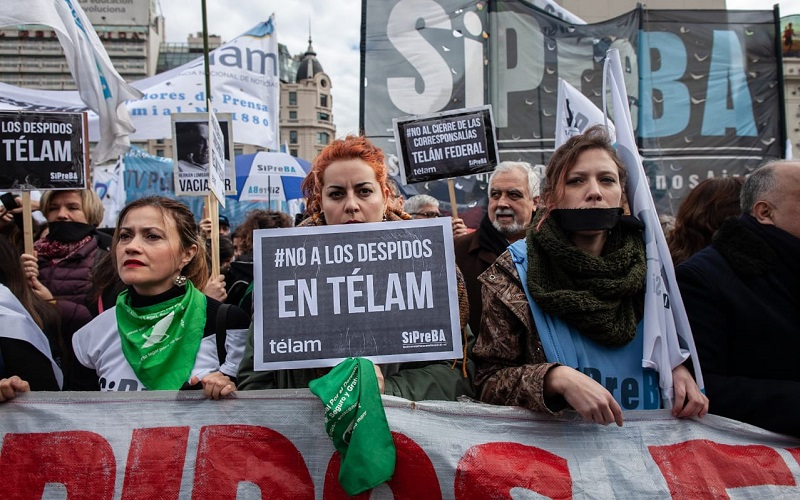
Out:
{"x": 425, "y": 215}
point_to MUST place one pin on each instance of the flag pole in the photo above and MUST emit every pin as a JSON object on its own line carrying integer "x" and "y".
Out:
{"x": 205, "y": 51}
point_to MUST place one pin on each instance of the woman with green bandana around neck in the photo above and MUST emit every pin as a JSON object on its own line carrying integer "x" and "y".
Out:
{"x": 348, "y": 185}
{"x": 161, "y": 335}
{"x": 576, "y": 341}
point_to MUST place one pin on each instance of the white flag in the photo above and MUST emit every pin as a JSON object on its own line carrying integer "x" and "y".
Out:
{"x": 667, "y": 336}
{"x": 100, "y": 87}
{"x": 575, "y": 113}
{"x": 18, "y": 325}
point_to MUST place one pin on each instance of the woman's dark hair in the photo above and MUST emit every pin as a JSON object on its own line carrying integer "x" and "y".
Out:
{"x": 197, "y": 268}
{"x": 261, "y": 219}
{"x": 45, "y": 315}
{"x": 701, "y": 213}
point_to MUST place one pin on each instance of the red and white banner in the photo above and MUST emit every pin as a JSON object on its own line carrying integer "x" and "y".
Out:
{"x": 272, "y": 444}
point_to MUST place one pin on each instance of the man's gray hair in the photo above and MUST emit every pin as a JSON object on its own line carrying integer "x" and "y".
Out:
{"x": 759, "y": 184}
{"x": 506, "y": 166}
{"x": 413, "y": 204}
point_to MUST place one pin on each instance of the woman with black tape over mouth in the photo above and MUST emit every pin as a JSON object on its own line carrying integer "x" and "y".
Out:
{"x": 581, "y": 270}
{"x": 348, "y": 185}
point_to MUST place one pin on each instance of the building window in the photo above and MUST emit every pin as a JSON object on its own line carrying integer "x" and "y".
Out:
{"x": 238, "y": 151}
{"x": 293, "y": 152}
{"x": 323, "y": 117}
{"x": 292, "y": 98}
{"x": 293, "y": 137}
{"x": 323, "y": 138}
{"x": 160, "y": 152}
{"x": 293, "y": 115}
{"x": 323, "y": 100}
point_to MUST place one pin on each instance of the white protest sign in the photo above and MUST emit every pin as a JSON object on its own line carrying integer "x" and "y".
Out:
{"x": 216, "y": 172}
{"x": 43, "y": 151}
{"x": 384, "y": 291}
{"x": 192, "y": 143}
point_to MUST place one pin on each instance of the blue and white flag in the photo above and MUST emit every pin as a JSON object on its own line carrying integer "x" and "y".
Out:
{"x": 100, "y": 87}
{"x": 575, "y": 113}
{"x": 668, "y": 337}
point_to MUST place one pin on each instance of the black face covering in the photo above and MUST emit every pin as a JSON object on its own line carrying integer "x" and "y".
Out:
{"x": 586, "y": 219}
{"x": 593, "y": 219}
{"x": 69, "y": 232}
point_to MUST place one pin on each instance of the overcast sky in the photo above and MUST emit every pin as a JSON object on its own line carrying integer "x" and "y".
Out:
{"x": 335, "y": 29}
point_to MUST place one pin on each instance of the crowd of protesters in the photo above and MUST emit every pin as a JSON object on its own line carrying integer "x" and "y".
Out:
{"x": 551, "y": 298}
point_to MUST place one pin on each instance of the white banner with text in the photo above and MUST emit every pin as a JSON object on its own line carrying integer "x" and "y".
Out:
{"x": 272, "y": 444}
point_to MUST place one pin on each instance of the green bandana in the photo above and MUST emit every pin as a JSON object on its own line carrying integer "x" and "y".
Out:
{"x": 356, "y": 422}
{"x": 598, "y": 295}
{"x": 161, "y": 341}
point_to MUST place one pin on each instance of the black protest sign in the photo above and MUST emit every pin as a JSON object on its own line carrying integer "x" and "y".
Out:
{"x": 445, "y": 145}
{"x": 386, "y": 291}
{"x": 43, "y": 151}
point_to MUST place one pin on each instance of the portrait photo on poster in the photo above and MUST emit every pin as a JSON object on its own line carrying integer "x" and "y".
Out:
{"x": 192, "y": 151}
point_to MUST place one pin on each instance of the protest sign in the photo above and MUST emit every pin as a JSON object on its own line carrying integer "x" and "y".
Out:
{"x": 216, "y": 173}
{"x": 272, "y": 444}
{"x": 43, "y": 151}
{"x": 385, "y": 291}
{"x": 191, "y": 147}
{"x": 445, "y": 145}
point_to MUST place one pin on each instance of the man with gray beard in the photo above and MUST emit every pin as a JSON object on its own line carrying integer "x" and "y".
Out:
{"x": 513, "y": 194}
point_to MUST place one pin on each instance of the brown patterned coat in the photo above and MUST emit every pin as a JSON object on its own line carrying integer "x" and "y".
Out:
{"x": 508, "y": 352}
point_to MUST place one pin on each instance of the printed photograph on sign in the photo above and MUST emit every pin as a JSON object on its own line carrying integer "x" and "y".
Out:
{"x": 192, "y": 149}
{"x": 445, "y": 145}
{"x": 43, "y": 151}
{"x": 385, "y": 291}
{"x": 790, "y": 36}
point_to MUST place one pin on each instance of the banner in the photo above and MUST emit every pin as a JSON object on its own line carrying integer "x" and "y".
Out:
{"x": 703, "y": 86}
{"x": 191, "y": 145}
{"x": 272, "y": 444}
{"x": 244, "y": 81}
{"x": 43, "y": 151}
{"x": 99, "y": 85}
{"x": 385, "y": 291}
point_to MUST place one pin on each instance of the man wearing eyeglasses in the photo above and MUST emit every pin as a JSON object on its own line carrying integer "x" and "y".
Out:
{"x": 423, "y": 206}
{"x": 513, "y": 195}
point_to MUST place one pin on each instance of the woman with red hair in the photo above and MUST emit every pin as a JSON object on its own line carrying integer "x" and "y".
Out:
{"x": 348, "y": 185}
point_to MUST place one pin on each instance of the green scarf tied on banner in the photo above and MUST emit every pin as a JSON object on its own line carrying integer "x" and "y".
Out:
{"x": 356, "y": 422}
{"x": 161, "y": 341}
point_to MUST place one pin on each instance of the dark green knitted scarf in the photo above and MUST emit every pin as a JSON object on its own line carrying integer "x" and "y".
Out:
{"x": 597, "y": 295}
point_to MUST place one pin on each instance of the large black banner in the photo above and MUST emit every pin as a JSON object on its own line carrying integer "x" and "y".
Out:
{"x": 704, "y": 86}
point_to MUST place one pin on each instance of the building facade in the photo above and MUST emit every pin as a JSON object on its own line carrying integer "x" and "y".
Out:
{"x": 603, "y": 10}
{"x": 306, "y": 112}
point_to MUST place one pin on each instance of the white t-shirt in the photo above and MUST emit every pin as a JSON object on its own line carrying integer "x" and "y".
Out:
{"x": 98, "y": 347}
